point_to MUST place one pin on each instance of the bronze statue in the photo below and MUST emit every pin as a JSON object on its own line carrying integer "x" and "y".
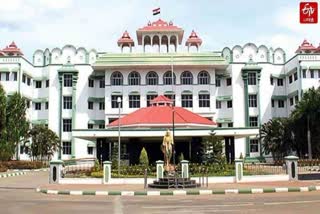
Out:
{"x": 167, "y": 149}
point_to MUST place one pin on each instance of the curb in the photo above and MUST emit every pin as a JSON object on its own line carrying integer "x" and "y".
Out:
{"x": 182, "y": 192}
{"x": 12, "y": 174}
{"x": 31, "y": 170}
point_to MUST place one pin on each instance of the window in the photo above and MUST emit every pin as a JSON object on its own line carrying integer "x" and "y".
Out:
{"x": 102, "y": 83}
{"x": 66, "y": 148}
{"x": 90, "y": 126}
{"x": 37, "y": 106}
{"x": 229, "y": 81}
{"x": 218, "y": 82}
{"x": 253, "y": 100}
{"x": 172, "y": 97}
{"x": 167, "y": 78}
{"x": 311, "y": 73}
{"x": 134, "y": 101}
{"x": 318, "y": 73}
{"x": 21, "y": 149}
{"x": 304, "y": 73}
{"x": 218, "y": 104}
{"x": 271, "y": 80}
{"x": 291, "y": 101}
{"x": 116, "y": 78}
{"x": 253, "y": 121}
{"x": 67, "y": 80}
{"x": 230, "y": 124}
{"x": 28, "y": 81}
{"x": 90, "y": 150}
{"x": 290, "y": 79}
{"x": 203, "y": 78}
{"x": 7, "y": 76}
{"x": 254, "y": 145}
{"x": 150, "y": 97}
{"x": 47, "y": 105}
{"x": 134, "y": 78}
{"x": 67, "y": 125}
{"x": 229, "y": 104}
{"x": 24, "y": 77}
{"x": 186, "y": 78}
{"x": 67, "y": 102}
{"x": 101, "y": 106}
{"x": 252, "y": 79}
{"x": 28, "y": 103}
{"x": 114, "y": 101}
{"x": 204, "y": 100}
{"x": 280, "y": 82}
{"x": 152, "y": 78}
{"x": 101, "y": 126}
{"x": 38, "y": 84}
{"x": 91, "y": 83}
{"x": 186, "y": 100}
{"x": 296, "y": 99}
{"x": 90, "y": 105}
{"x": 272, "y": 103}
{"x": 295, "y": 76}
{"x": 47, "y": 83}
{"x": 15, "y": 76}
{"x": 281, "y": 103}
{"x": 219, "y": 125}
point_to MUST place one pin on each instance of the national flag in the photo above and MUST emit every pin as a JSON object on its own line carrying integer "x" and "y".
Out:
{"x": 156, "y": 11}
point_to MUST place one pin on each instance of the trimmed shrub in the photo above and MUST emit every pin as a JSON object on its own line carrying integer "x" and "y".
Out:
{"x": 23, "y": 164}
{"x": 143, "y": 160}
{"x": 97, "y": 174}
{"x": 181, "y": 157}
{"x": 3, "y": 168}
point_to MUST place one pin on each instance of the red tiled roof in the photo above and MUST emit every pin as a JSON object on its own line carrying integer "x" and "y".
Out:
{"x": 12, "y": 48}
{"x": 125, "y": 39}
{"x": 306, "y": 46}
{"x": 193, "y": 39}
{"x": 161, "y": 99}
{"x": 161, "y": 116}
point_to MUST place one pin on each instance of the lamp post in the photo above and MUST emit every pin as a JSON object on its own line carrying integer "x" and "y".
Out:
{"x": 119, "y": 142}
{"x": 309, "y": 139}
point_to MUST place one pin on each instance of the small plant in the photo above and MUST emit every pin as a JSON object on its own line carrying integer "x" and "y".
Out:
{"x": 97, "y": 166}
{"x": 181, "y": 157}
{"x": 241, "y": 156}
{"x": 143, "y": 160}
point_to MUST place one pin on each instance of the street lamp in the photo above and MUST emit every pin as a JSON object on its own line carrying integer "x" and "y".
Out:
{"x": 119, "y": 142}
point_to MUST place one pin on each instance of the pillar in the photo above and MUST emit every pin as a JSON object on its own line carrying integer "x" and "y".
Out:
{"x": 160, "y": 170}
{"x": 74, "y": 109}
{"x": 106, "y": 171}
{"x": 185, "y": 169}
{"x": 246, "y": 108}
{"x": 55, "y": 175}
{"x": 292, "y": 167}
{"x": 239, "y": 169}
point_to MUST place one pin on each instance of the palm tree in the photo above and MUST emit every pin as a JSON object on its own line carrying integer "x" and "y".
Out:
{"x": 44, "y": 143}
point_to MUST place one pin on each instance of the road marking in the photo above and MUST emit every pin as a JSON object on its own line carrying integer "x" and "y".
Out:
{"x": 290, "y": 202}
{"x": 198, "y": 206}
{"x": 205, "y": 192}
{"x": 282, "y": 189}
{"x": 179, "y": 192}
{"x": 52, "y": 192}
{"x": 304, "y": 189}
{"x": 234, "y": 191}
{"x": 257, "y": 190}
{"x": 75, "y": 192}
{"x": 127, "y": 193}
{"x": 101, "y": 192}
{"x": 153, "y": 193}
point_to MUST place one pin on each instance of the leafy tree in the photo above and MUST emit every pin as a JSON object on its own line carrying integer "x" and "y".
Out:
{"x": 212, "y": 147}
{"x": 277, "y": 137}
{"x": 45, "y": 143}
{"x": 307, "y": 110}
{"x": 143, "y": 159}
{"x": 16, "y": 122}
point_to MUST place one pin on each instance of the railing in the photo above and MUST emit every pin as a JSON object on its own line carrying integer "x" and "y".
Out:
{"x": 309, "y": 166}
{"x": 264, "y": 169}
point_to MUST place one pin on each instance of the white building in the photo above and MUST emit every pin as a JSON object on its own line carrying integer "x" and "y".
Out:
{"x": 74, "y": 91}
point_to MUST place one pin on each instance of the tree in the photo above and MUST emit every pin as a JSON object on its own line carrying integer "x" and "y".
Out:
{"x": 307, "y": 114}
{"x": 212, "y": 147}
{"x": 17, "y": 125}
{"x": 44, "y": 143}
{"x": 143, "y": 159}
{"x": 277, "y": 137}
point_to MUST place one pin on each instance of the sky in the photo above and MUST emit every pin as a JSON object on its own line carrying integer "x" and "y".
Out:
{"x": 98, "y": 24}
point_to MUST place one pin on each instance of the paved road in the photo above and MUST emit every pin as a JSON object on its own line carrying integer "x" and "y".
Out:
{"x": 18, "y": 196}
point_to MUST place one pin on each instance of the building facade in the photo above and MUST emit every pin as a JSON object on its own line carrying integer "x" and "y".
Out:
{"x": 75, "y": 91}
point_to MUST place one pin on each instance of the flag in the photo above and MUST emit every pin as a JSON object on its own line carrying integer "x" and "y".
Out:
{"x": 156, "y": 11}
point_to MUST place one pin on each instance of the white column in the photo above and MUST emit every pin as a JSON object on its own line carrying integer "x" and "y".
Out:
{"x": 55, "y": 171}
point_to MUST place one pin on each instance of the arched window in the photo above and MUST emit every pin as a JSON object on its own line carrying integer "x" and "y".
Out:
{"x": 203, "y": 78}
{"x": 152, "y": 78}
{"x": 116, "y": 78}
{"x": 186, "y": 78}
{"x": 134, "y": 78}
{"x": 167, "y": 78}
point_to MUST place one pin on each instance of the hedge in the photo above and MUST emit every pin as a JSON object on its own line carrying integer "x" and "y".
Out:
{"x": 22, "y": 164}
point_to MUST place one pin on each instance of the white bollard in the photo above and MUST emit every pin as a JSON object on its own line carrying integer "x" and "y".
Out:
{"x": 239, "y": 169}
{"x": 159, "y": 169}
{"x": 185, "y": 169}
{"x": 292, "y": 167}
{"x": 106, "y": 171}
{"x": 55, "y": 171}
